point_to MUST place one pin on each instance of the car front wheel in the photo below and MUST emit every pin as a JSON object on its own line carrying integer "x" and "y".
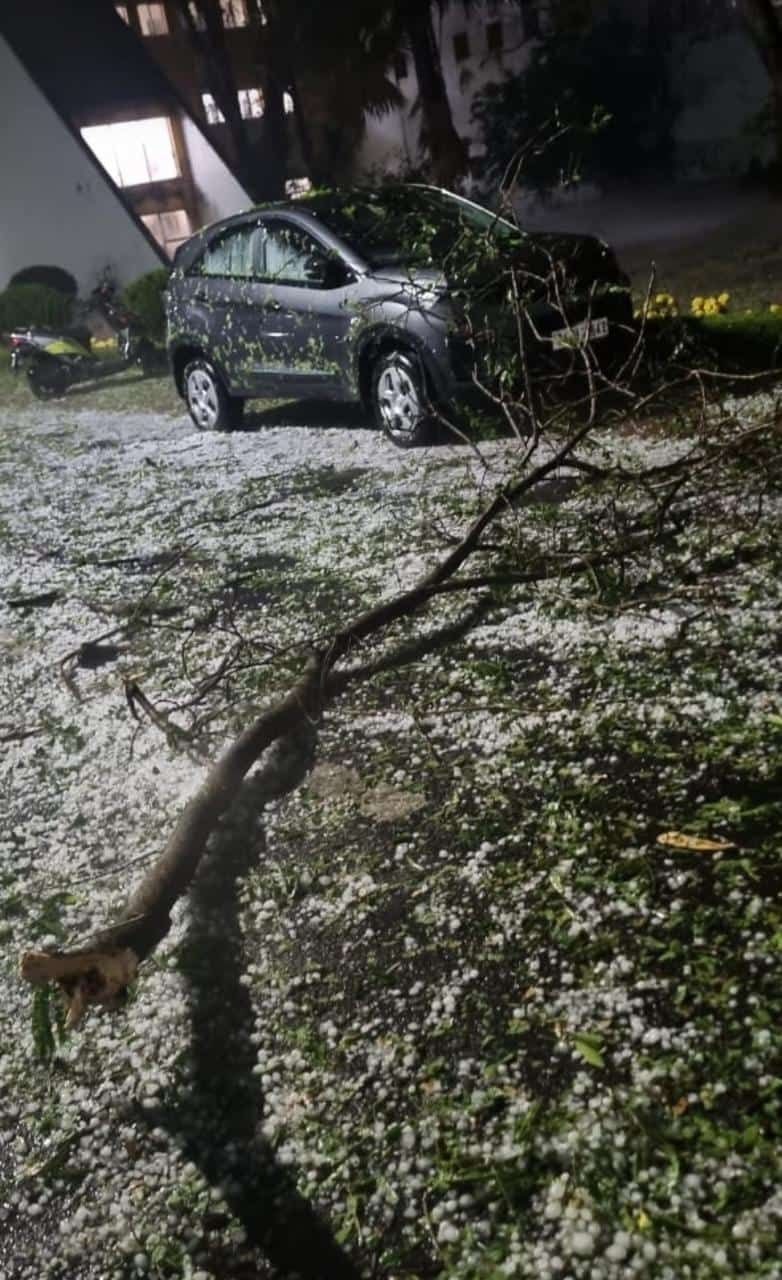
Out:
{"x": 400, "y": 400}
{"x": 209, "y": 404}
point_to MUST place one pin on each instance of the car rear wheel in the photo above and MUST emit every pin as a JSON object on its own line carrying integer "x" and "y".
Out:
{"x": 209, "y": 404}
{"x": 400, "y": 400}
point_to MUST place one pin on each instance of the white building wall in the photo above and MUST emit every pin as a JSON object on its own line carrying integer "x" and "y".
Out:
{"x": 219, "y": 193}
{"x": 393, "y": 141}
{"x": 719, "y": 78}
{"x": 55, "y": 207}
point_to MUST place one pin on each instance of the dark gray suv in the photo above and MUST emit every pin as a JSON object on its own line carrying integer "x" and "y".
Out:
{"x": 395, "y": 296}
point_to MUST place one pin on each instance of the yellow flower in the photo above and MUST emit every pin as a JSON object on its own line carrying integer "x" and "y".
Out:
{"x": 723, "y": 299}
{"x": 711, "y": 307}
{"x": 697, "y": 304}
{"x": 775, "y": 308}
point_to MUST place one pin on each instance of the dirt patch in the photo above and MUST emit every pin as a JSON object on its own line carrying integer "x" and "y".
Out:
{"x": 330, "y": 780}
{"x": 385, "y": 803}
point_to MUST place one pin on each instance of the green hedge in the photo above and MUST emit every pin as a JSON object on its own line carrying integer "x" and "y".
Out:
{"x": 731, "y": 343}
{"x": 34, "y": 304}
{"x": 745, "y": 342}
{"x": 144, "y": 297}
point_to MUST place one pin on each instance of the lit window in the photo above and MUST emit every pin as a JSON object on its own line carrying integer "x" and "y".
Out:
{"x": 234, "y": 13}
{"x": 198, "y": 18}
{"x": 494, "y": 37}
{"x": 461, "y": 46}
{"x": 169, "y": 229}
{"x": 211, "y": 110}
{"x": 250, "y": 103}
{"x": 134, "y": 151}
{"x": 152, "y": 19}
{"x": 121, "y": 11}
{"x": 288, "y": 104}
{"x": 295, "y": 187}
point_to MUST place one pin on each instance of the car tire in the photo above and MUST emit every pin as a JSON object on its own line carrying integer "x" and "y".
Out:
{"x": 400, "y": 400}
{"x": 208, "y": 402}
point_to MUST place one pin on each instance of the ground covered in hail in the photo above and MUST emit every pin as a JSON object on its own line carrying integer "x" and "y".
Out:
{"x": 449, "y": 1007}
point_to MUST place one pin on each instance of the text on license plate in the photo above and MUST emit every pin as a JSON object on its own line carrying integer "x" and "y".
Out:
{"x": 578, "y": 335}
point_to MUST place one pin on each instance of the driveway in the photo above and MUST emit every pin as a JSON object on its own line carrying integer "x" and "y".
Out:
{"x": 649, "y": 213}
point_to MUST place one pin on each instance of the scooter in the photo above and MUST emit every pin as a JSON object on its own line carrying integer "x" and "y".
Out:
{"x": 55, "y": 361}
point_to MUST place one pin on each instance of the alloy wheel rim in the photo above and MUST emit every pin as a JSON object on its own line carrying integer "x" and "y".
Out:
{"x": 399, "y": 401}
{"x": 202, "y": 398}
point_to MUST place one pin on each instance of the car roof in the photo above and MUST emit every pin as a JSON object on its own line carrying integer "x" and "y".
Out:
{"x": 304, "y": 210}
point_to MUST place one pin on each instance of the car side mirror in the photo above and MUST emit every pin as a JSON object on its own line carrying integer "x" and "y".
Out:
{"x": 332, "y": 273}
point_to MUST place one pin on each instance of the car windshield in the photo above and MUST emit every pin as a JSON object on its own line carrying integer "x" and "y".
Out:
{"x": 400, "y": 225}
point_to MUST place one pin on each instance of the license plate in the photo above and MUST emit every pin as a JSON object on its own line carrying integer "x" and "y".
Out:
{"x": 578, "y": 335}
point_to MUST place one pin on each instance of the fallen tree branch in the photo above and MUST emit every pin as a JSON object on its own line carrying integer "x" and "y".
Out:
{"x": 19, "y": 735}
{"x": 101, "y": 971}
{"x": 41, "y": 601}
{"x": 135, "y": 697}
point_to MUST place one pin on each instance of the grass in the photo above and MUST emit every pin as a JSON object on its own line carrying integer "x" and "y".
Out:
{"x": 743, "y": 258}
{"x": 128, "y": 390}
{"x": 470, "y": 971}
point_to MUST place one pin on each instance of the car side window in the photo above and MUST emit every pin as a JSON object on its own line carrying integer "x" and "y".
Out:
{"x": 235, "y": 254}
{"x": 291, "y": 256}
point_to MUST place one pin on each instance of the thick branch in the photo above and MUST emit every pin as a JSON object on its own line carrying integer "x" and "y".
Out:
{"x": 100, "y": 971}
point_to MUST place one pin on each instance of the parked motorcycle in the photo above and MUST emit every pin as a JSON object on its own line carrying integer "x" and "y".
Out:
{"x": 55, "y": 361}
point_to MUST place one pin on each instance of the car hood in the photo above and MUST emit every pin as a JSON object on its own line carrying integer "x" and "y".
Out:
{"x": 484, "y": 274}
{"x": 412, "y": 278}
{"x": 585, "y": 259}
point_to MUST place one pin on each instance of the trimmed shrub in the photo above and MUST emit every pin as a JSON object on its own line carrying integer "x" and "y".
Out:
{"x": 34, "y": 304}
{"x": 52, "y": 277}
{"x": 745, "y": 343}
{"x": 144, "y": 297}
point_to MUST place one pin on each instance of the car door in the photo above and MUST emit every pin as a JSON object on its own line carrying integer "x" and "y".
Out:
{"x": 303, "y": 301}
{"x": 219, "y": 304}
